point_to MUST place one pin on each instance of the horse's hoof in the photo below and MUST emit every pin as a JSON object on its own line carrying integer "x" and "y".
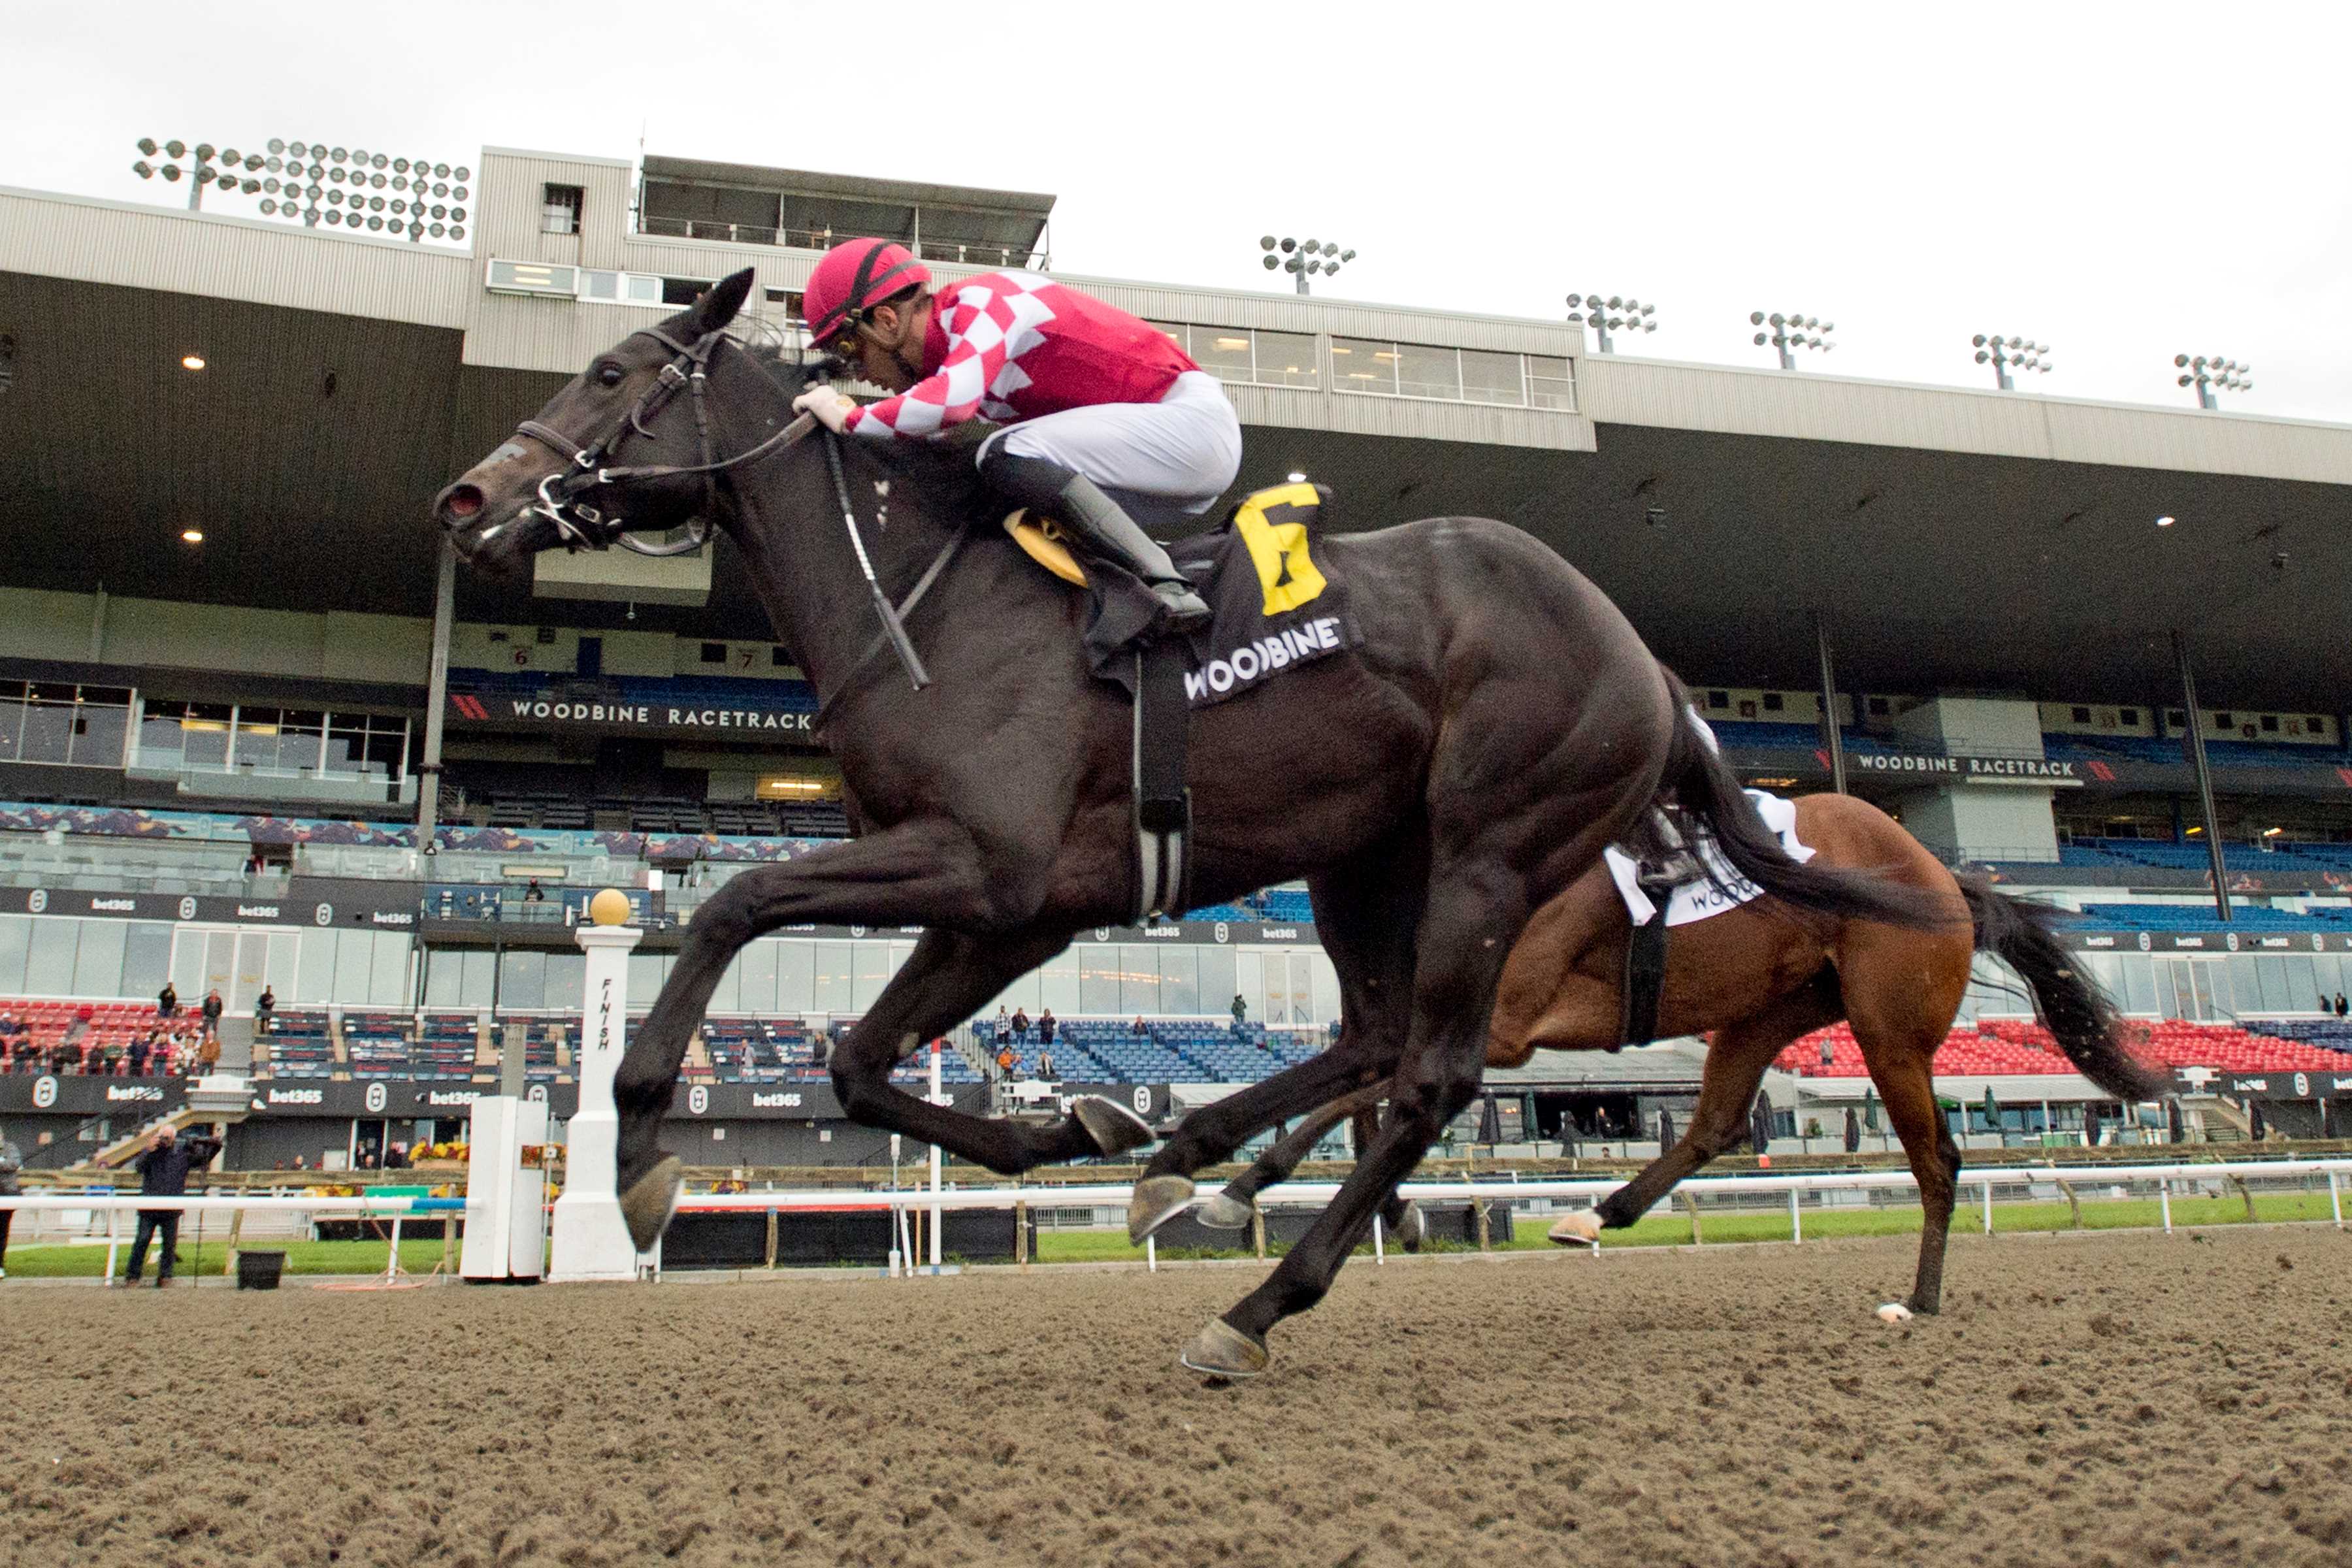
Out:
{"x": 1895, "y": 1312}
{"x": 1223, "y": 1212}
{"x": 1582, "y": 1229}
{"x": 1412, "y": 1230}
{"x": 1114, "y": 1128}
{"x": 1222, "y": 1349}
{"x": 651, "y": 1199}
{"x": 1156, "y": 1201}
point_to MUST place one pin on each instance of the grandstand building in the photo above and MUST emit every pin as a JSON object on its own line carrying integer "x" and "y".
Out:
{"x": 255, "y": 731}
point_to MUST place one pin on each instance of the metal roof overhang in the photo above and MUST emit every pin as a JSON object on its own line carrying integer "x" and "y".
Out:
{"x": 850, "y": 204}
{"x": 1938, "y": 569}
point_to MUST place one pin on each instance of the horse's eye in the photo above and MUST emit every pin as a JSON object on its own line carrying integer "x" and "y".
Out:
{"x": 610, "y": 375}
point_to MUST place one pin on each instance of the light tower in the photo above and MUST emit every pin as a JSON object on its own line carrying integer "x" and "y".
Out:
{"x": 1617, "y": 314}
{"x": 2210, "y": 374}
{"x": 2008, "y": 354}
{"x": 313, "y": 182}
{"x": 1792, "y": 332}
{"x": 1303, "y": 258}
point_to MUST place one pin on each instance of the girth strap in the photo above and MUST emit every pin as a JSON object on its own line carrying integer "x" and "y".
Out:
{"x": 1163, "y": 806}
{"x": 1646, "y": 975}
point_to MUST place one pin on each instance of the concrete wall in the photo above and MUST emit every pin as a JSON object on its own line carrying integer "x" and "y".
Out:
{"x": 167, "y": 634}
{"x": 1984, "y": 822}
{"x": 1984, "y": 726}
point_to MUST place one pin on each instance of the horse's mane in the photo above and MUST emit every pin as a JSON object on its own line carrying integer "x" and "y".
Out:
{"x": 940, "y": 469}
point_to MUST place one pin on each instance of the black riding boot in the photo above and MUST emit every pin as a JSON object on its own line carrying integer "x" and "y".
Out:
{"x": 1097, "y": 525}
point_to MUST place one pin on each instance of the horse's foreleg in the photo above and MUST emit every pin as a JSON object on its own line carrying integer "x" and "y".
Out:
{"x": 945, "y": 980}
{"x": 1230, "y": 1210}
{"x": 1736, "y": 1064}
{"x": 916, "y": 873}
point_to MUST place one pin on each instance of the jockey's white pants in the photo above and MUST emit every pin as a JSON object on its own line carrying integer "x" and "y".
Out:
{"x": 1174, "y": 456}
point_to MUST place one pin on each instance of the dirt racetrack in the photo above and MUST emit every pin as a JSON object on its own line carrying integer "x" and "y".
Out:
{"x": 2106, "y": 1399}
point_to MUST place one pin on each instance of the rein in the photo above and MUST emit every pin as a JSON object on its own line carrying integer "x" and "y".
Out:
{"x": 585, "y": 527}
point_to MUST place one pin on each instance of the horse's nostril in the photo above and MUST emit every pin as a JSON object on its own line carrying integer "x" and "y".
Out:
{"x": 464, "y": 502}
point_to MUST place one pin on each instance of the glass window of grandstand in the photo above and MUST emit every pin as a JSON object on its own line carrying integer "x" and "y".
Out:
{"x": 1247, "y": 356}
{"x": 1551, "y": 383}
{"x": 1359, "y": 364}
{"x": 558, "y": 211}
{"x": 293, "y": 743}
{"x": 48, "y": 721}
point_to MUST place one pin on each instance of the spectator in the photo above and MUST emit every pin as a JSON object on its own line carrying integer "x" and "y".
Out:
{"x": 167, "y": 1002}
{"x": 2342, "y": 1007}
{"x": 1046, "y": 1023}
{"x": 1240, "y": 1011}
{"x": 1138, "y": 1028}
{"x": 265, "y": 1009}
{"x": 1046, "y": 1064}
{"x": 533, "y": 893}
{"x": 212, "y": 1011}
{"x": 1005, "y": 1062}
{"x": 163, "y": 1174}
{"x": 70, "y": 1048}
{"x": 301, "y": 1163}
{"x": 11, "y": 1161}
{"x": 1003, "y": 1029}
{"x": 208, "y": 1052}
{"x": 1021, "y": 1024}
{"x": 395, "y": 1157}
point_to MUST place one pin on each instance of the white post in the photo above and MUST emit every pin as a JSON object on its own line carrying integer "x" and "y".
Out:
{"x": 1988, "y": 1207}
{"x": 113, "y": 1235}
{"x": 937, "y": 1099}
{"x": 2335, "y": 1199}
{"x": 1796, "y": 1219}
{"x": 592, "y": 1241}
{"x": 2164, "y": 1201}
{"x": 1152, "y": 1255}
{"x": 1379, "y": 1253}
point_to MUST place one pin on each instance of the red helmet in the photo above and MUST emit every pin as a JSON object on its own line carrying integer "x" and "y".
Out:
{"x": 854, "y": 275}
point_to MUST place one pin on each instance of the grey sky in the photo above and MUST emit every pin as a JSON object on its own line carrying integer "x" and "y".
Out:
{"x": 2122, "y": 182}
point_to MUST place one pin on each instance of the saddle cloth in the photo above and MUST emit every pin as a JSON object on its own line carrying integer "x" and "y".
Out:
{"x": 1273, "y": 605}
{"x": 1695, "y": 897}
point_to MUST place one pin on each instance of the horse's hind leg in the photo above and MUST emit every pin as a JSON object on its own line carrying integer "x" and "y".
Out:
{"x": 1406, "y": 1226}
{"x": 1902, "y": 1001}
{"x": 1736, "y": 1062}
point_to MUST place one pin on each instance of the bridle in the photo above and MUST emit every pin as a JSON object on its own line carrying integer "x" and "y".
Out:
{"x": 585, "y": 526}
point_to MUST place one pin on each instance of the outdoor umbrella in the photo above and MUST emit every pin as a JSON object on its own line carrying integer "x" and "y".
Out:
{"x": 2255, "y": 1126}
{"x": 1665, "y": 1128}
{"x": 2091, "y": 1125}
{"x": 1869, "y": 1109}
{"x": 2174, "y": 1123}
{"x": 1992, "y": 1110}
{"x": 1852, "y": 1131}
{"x": 1759, "y": 1125}
{"x": 1490, "y": 1122}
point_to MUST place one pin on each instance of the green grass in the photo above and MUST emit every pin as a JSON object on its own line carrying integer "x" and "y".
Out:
{"x": 1662, "y": 1228}
{"x": 83, "y": 1262}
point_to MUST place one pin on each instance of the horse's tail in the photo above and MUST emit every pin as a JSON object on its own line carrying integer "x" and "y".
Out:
{"x": 2071, "y": 1006}
{"x": 1706, "y": 788}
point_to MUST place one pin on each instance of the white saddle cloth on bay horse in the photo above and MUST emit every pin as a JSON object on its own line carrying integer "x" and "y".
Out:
{"x": 1695, "y": 897}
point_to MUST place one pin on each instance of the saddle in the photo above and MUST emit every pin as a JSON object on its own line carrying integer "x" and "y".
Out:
{"x": 1274, "y": 609}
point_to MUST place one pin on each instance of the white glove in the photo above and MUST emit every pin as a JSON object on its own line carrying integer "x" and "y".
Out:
{"x": 832, "y": 409}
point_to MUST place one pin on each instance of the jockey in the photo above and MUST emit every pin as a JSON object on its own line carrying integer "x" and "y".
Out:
{"x": 1095, "y": 403}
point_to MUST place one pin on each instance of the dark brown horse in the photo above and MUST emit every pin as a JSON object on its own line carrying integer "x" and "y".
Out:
{"x": 1498, "y": 724}
{"x": 1758, "y": 978}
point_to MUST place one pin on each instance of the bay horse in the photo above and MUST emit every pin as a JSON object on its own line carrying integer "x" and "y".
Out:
{"x": 1759, "y": 977}
{"x": 1499, "y": 723}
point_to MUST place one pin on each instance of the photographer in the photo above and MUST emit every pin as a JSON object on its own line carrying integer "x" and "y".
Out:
{"x": 163, "y": 1174}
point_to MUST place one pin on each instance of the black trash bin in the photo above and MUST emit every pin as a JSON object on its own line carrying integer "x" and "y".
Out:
{"x": 260, "y": 1271}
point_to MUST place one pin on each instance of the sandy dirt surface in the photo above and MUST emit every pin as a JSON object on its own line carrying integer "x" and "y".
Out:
{"x": 2087, "y": 1401}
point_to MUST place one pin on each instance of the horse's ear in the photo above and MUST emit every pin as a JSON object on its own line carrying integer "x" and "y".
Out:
{"x": 725, "y": 297}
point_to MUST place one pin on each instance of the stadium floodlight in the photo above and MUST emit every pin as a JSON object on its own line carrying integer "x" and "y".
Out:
{"x": 1617, "y": 314}
{"x": 1790, "y": 331}
{"x": 1301, "y": 258}
{"x": 2008, "y": 354}
{"x": 294, "y": 189}
{"x": 2211, "y": 374}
